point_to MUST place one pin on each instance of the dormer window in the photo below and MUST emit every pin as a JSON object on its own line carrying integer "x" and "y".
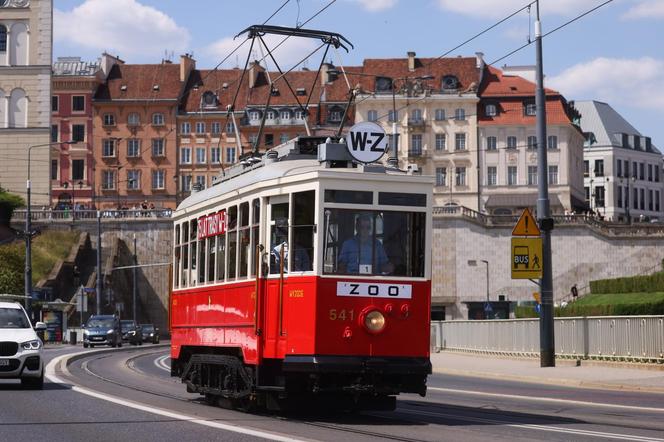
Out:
{"x": 335, "y": 114}
{"x": 285, "y": 114}
{"x": 155, "y": 87}
{"x": 301, "y": 91}
{"x": 383, "y": 84}
{"x": 450, "y": 82}
{"x": 271, "y": 115}
{"x": 254, "y": 115}
{"x": 209, "y": 99}
{"x": 530, "y": 109}
{"x": 490, "y": 110}
{"x": 300, "y": 114}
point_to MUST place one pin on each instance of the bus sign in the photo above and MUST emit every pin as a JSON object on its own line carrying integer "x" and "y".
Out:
{"x": 366, "y": 142}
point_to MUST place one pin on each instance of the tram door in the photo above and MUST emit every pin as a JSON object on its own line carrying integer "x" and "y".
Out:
{"x": 278, "y": 215}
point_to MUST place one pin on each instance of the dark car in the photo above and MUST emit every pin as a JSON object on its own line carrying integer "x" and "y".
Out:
{"x": 131, "y": 332}
{"x": 102, "y": 330}
{"x": 150, "y": 333}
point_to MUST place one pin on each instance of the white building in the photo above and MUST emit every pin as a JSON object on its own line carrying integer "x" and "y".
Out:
{"x": 622, "y": 168}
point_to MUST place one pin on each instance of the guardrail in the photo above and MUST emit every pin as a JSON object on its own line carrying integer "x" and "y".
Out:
{"x": 48, "y": 215}
{"x": 617, "y": 338}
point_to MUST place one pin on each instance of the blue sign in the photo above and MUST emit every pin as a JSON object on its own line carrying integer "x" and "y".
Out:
{"x": 487, "y": 307}
{"x": 538, "y": 308}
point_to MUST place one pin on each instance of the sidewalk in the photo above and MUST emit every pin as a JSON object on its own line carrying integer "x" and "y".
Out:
{"x": 589, "y": 374}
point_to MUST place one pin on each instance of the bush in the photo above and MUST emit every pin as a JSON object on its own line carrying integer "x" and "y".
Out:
{"x": 646, "y": 283}
{"x": 12, "y": 258}
{"x": 8, "y": 203}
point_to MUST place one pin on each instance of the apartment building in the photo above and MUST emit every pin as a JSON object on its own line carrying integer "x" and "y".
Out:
{"x": 135, "y": 132}
{"x": 74, "y": 83}
{"x": 432, "y": 105}
{"x": 25, "y": 93}
{"x": 622, "y": 168}
{"x": 508, "y": 147}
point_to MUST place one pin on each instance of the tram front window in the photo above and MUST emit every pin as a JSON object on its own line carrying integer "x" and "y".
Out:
{"x": 370, "y": 242}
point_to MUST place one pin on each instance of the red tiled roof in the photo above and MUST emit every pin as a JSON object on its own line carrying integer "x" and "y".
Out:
{"x": 140, "y": 80}
{"x": 496, "y": 84}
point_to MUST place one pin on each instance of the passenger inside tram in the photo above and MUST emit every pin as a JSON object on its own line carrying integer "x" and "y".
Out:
{"x": 361, "y": 252}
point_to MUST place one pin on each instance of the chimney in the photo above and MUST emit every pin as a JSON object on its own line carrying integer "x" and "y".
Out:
{"x": 325, "y": 75}
{"x": 187, "y": 64}
{"x": 254, "y": 69}
{"x": 411, "y": 61}
{"x": 479, "y": 60}
{"x": 107, "y": 62}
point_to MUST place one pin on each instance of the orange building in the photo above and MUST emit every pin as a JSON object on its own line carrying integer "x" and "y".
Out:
{"x": 135, "y": 133}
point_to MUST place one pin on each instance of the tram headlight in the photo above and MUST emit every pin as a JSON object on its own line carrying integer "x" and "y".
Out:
{"x": 374, "y": 321}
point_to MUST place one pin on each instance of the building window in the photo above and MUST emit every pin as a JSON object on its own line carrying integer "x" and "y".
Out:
{"x": 530, "y": 109}
{"x": 269, "y": 139}
{"x": 650, "y": 200}
{"x": 619, "y": 168}
{"x": 215, "y": 155}
{"x": 657, "y": 200}
{"x": 270, "y": 115}
{"x": 642, "y": 171}
{"x": 78, "y": 133}
{"x": 552, "y": 142}
{"x": 460, "y": 142}
{"x": 55, "y": 103}
{"x": 133, "y": 179}
{"x": 133, "y": 119}
{"x": 491, "y": 176}
{"x": 490, "y": 110}
{"x": 416, "y": 115}
{"x": 215, "y": 128}
{"x": 599, "y": 167}
{"x": 335, "y": 116}
{"x": 649, "y": 172}
{"x": 416, "y": 144}
{"x": 108, "y": 147}
{"x": 78, "y": 104}
{"x": 460, "y": 176}
{"x": 586, "y": 189}
{"x": 586, "y": 168}
{"x": 599, "y": 196}
{"x": 441, "y": 142}
{"x": 656, "y": 173}
{"x": 491, "y": 143}
{"x": 109, "y": 120}
{"x": 439, "y": 115}
{"x": 157, "y": 119}
{"x": 372, "y": 115}
{"x": 284, "y": 115}
{"x": 209, "y": 99}
{"x": 200, "y": 127}
{"x": 511, "y": 142}
{"x": 253, "y": 139}
{"x": 133, "y": 147}
{"x": 230, "y": 128}
{"x": 620, "y": 196}
{"x": 54, "y": 169}
{"x": 230, "y": 155}
{"x": 201, "y": 181}
{"x": 3, "y": 37}
{"x": 158, "y": 147}
{"x": 459, "y": 114}
{"x": 300, "y": 114}
{"x": 200, "y": 155}
{"x": 553, "y": 174}
{"x": 532, "y": 175}
{"x": 158, "y": 179}
{"x": 254, "y": 115}
{"x": 392, "y": 116}
{"x": 77, "y": 169}
{"x": 511, "y": 176}
{"x": 185, "y": 128}
{"x": 108, "y": 179}
{"x": 441, "y": 176}
{"x": 635, "y": 198}
{"x": 642, "y": 199}
{"x": 635, "y": 171}
{"x": 54, "y": 133}
{"x": 186, "y": 183}
{"x": 532, "y": 142}
{"x": 283, "y": 138}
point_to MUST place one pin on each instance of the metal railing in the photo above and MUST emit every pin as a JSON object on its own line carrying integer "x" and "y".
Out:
{"x": 617, "y": 338}
{"x": 48, "y": 215}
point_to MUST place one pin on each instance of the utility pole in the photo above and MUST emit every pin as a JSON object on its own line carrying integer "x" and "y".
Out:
{"x": 134, "y": 283}
{"x": 99, "y": 275}
{"x": 547, "y": 343}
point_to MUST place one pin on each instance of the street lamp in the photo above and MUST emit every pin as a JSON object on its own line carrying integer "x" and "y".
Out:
{"x": 473, "y": 263}
{"x": 628, "y": 179}
{"x": 28, "y": 228}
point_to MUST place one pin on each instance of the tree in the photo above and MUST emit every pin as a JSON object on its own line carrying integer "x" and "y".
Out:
{"x": 8, "y": 203}
{"x": 12, "y": 258}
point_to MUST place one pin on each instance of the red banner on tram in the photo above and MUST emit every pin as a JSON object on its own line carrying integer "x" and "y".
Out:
{"x": 212, "y": 225}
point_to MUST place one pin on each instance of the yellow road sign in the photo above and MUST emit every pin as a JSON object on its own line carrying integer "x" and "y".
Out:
{"x": 526, "y": 226}
{"x": 526, "y": 260}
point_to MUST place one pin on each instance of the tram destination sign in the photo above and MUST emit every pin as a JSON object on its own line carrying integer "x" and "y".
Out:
{"x": 212, "y": 225}
{"x": 366, "y": 142}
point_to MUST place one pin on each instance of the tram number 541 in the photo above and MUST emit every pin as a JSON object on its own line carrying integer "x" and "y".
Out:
{"x": 368, "y": 290}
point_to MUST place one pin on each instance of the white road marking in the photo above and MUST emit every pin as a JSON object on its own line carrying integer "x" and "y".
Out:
{"x": 51, "y": 376}
{"x": 549, "y": 400}
{"x": 579, "y": 432}
{"x": 160, "y": 363}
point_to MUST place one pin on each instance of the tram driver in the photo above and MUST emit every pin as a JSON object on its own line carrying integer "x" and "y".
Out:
{"x": 361, "y": 252}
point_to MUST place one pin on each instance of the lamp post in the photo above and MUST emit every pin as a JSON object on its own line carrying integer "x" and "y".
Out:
{"x": 627, "y": 179}
{"x": 28, "y": 229}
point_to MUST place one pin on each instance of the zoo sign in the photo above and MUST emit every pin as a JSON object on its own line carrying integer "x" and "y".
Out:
{"x": 366, "y": 142}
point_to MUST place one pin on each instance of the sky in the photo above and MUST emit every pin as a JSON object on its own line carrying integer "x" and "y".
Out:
{"x": 614, "y": 54}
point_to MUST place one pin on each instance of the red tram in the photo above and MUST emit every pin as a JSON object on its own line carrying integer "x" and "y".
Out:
{"x": 301, "y": 275}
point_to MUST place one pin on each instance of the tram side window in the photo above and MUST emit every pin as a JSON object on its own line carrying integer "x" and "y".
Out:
{"x": 278, "y": 236}
{"x": 244, "y": 239}
{"x": 185, "y": 254}
{"x": 371, "y": 242}
{"x": 304, "y": 206}
{"x": 176, "y": 258}
{"x": 232, "y": 242}
{"x": 255, "y": 223}
{"x": 202, "y": 250}
{"x": 221, "y": 257}
{"x": 193, "y": 233}
{"x": 211, "y": 255}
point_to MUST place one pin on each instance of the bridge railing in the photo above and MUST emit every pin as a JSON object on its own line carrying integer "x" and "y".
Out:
{"x": 619, "y": 338}
{"x": 49, "y": 215}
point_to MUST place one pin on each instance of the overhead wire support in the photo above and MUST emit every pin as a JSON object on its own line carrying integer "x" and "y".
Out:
{"x": 332, "y": 38}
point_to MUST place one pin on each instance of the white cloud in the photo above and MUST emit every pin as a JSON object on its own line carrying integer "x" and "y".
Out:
{"x": 646, "y": 9}
{"x": 292, "y": 51}
{"x": 376, "y": 5}
{"x": 633, "y": 82}
{"x": 126, "y": 27}
{"x": 502, "y": 8}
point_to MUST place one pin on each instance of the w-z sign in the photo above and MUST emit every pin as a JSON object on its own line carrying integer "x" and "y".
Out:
{"x": 366, "y": 142}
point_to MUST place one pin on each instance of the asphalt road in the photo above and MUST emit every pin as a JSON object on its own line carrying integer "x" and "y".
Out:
{"x": 128, "y": 394}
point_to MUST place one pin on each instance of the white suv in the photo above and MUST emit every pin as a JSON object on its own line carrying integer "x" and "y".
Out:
{"x": 20, "y": 347}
